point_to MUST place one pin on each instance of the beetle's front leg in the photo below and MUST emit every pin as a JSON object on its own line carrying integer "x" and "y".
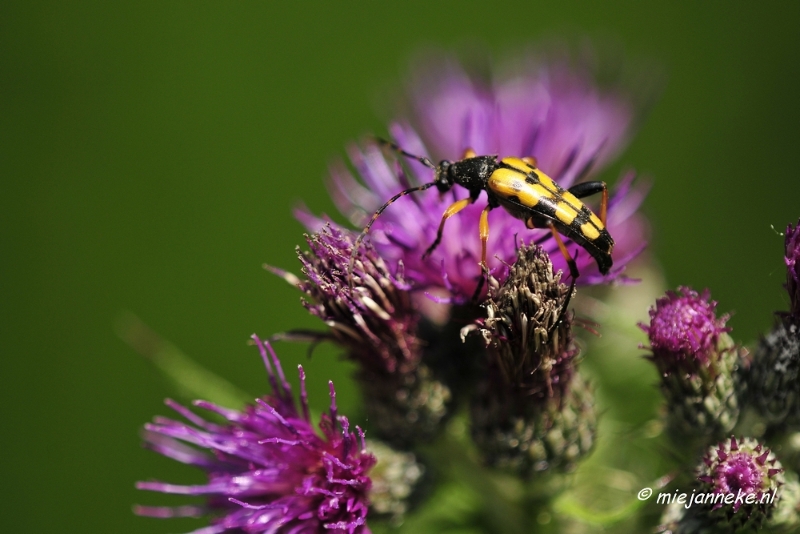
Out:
{"x": 454, "y": 208}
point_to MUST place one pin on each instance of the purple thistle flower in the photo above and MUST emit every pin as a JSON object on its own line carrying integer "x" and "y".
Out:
{"x": 373, "y": 317}
{"x": 548, "y": 110}
{"x": 375, "y": 320}
{"x": 792, "y": 259}
{"x": 740, "y": 466}
{"x": 684, "y": 330}
{"x": 269, "y": 471}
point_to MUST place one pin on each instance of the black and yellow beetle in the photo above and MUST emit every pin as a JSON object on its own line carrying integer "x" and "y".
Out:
{"x": 524, "y": 191}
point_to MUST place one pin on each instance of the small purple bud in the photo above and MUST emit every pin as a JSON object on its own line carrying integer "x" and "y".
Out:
{"x": 684, "y": 330}
{"x": 698, "y": 364}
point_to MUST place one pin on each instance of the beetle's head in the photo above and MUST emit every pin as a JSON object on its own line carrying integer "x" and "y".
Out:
{"x": 444, "y": 180}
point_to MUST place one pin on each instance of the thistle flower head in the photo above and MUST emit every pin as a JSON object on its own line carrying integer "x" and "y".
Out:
{"x": 532, "y": 412}
{"x": 526, "y": 342}
{"x": 372, "y": 315}
{"x": 684, "y": 330}
{"x": 542, "y": 108}
{"x": 735, "y": 466}
{"x": 792, "y": 259}
{"x": 268, "y": 469}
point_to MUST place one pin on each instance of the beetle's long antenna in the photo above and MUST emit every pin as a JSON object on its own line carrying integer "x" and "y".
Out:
{"x": 422, "y": 159}
{"x": 375, "y": 216}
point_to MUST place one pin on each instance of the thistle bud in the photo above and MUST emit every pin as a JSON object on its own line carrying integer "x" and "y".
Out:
{"x": 697, "y": 361}
{"x": 738, "y": 490}
{"x": 748, "y": 471}
{"x": 395, "y": 479}
{"x": 773, "y": 377}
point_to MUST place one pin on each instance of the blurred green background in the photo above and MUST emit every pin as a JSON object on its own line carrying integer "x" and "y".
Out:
{"x": 150, "y": 155}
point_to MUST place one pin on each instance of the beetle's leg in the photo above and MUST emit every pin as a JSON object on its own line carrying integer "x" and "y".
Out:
{"x": 484, "y": 232}
{"x": 531, "y": 223}
{"x": 469, "y": 153}
{"x": 530, "y": 160}
{"x": 604, "y": 205}
{"x": 454, "y": 208}
{"x": 573, "y": 268}
{"x": 573, "y": 271}
{"x": 586, "y": 189}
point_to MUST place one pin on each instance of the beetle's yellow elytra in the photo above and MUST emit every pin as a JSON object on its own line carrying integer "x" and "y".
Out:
{"x": 509, "y": 183}
{"x": 571, "y": 199}
{"x": 589, "y": 231}
{"x": 518, "y": 164}
{"x": 543, "y": 191}
{"x": 565, "y": 213}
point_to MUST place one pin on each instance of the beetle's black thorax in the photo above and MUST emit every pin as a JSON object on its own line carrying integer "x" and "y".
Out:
{"x": 473, "y": 173}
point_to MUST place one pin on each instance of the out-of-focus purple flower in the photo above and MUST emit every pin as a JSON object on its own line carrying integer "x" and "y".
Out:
{"x": 269, "y": 471}
{"x": 740, "y": 466}
{"x": 792, "y": 258}
{"x": 684, "y": 330}
{"x": 546, "y": 109}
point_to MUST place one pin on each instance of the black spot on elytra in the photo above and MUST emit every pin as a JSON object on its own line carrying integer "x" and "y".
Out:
{"x": 584, "y": 216}
{"x": 532, "y": 178}
{"x": 514, "y": 198}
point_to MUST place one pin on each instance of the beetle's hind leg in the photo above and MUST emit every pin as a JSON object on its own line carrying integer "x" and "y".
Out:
{"x": 573, "y": 271}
